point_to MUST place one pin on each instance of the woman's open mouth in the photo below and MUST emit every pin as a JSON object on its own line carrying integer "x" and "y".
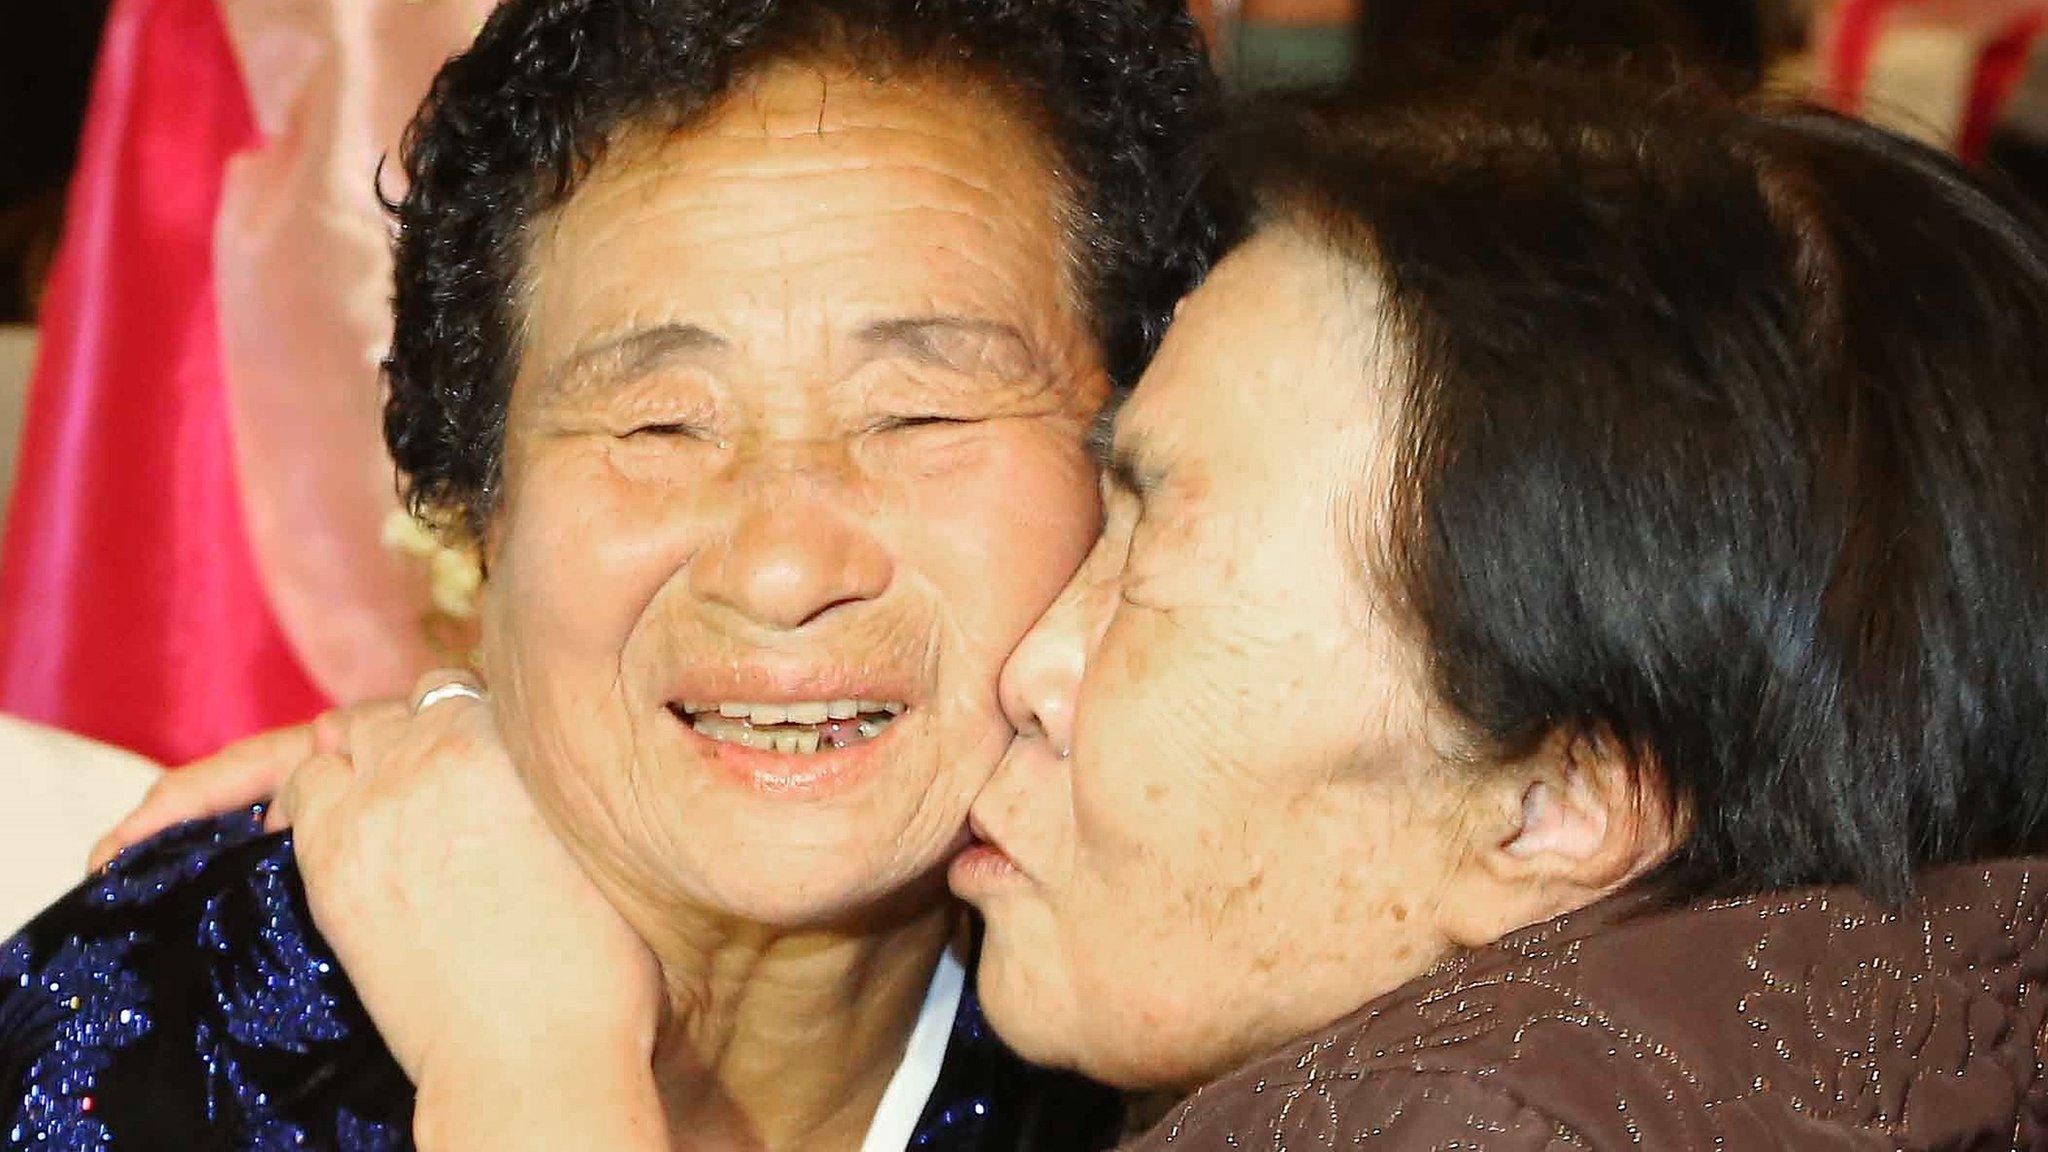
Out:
{"x": 798, "y": 728}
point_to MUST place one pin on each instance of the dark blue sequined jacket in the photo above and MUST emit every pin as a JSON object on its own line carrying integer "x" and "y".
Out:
{"x": 182, "y": 1000}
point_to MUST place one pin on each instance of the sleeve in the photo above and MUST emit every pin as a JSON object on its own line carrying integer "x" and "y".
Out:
{"x": 183, "y": 999}
{"x": 92, "y": 987}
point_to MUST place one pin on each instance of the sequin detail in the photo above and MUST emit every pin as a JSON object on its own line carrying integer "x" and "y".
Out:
{"x": 274, "y": 988}
{"x": 353, "y": 1134}
{"x": 961, "y": 1124}
{"x": 77, "y": 1009}
{"x": 969, "y": 1025}
{"x": 235, "y": 1103}
{"x": 221, "y": 943}
{"x": 143, "y": 873}
{"x": 271, "y": 985}
{"x": 28, "y": 1023}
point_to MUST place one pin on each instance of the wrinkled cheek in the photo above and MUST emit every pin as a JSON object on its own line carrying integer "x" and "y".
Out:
{"x": 551, "y": 644}
{"x": 1002, "y": 537}
{"x": 570, "y": 580}
{"x": 1174, "y": 880}
{"x": 532, "y": 661}
{"x": 549, "y": 609}
{"x": 1130, "y": 945}
{"x": 1135, "y": 819}
{"x": 580, "y": 554}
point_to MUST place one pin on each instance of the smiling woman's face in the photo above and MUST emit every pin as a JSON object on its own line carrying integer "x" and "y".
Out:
{"x": 1223, "y": 822}
{"x": 794, "y": 457}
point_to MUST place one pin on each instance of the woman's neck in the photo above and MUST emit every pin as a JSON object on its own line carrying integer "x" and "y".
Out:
{"x": 783, "y": 1040}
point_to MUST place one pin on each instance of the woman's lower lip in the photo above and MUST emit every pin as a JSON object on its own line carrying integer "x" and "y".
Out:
{"x": 982, "y": 870}
{"x": 794, "y": 774}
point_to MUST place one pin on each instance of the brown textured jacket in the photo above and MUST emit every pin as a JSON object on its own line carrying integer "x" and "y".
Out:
{"x": 1808, "y": 1020}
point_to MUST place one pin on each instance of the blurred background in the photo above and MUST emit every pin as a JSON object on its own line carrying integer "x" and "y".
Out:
{"x": 200, "y": 533}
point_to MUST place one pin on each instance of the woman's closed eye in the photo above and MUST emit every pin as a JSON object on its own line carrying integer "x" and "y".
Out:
{"x": 1113, "y": 561}
{"x": 922, "y": 420}
{"x": 672, "y": 429}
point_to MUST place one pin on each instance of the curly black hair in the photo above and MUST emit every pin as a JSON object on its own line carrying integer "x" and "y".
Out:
{"x": 1122, "y": 89}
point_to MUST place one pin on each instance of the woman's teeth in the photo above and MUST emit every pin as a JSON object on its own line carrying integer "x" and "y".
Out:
{"x": 810, "y": 712}
{"x": 802, "y": 728}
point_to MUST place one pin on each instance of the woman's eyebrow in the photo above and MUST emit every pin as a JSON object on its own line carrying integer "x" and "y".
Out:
{"x": 632, "y": 352}
{"x": 960, "y": 343}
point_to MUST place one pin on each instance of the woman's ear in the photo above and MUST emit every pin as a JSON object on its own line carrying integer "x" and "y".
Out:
{"x": 1572, "y": 823}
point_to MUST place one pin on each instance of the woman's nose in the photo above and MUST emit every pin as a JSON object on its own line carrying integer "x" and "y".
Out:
{"x": 1041, "y": 682}
{"x": 789, "y": 562}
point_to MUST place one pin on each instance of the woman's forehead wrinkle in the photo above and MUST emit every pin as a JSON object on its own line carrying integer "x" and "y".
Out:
{"x": 824, "y": 233}
{"x": 966, "y": 354}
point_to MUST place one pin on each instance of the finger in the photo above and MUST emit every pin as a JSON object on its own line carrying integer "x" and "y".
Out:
{"x": 312, "y": 788}
{"x": 390, "y": 753}
{"x": 334, "y": 732}
{"x": 235, "y": 777}
{"x": 318, "y": 799}
{"x": 330, "y": 732}
{"x": 371, "y": 739}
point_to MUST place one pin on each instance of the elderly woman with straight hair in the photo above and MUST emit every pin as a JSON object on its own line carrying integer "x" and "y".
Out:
{"x": 755, "y": 343}
{"x": 1567, "y": 659}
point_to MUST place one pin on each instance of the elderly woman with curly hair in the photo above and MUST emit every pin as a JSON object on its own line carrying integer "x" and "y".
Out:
{"x": 755, "y": 343}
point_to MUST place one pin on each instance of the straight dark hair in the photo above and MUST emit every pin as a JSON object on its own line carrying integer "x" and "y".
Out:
{"x": 1720, "y": 40}
{"x": 1726, "y": 442}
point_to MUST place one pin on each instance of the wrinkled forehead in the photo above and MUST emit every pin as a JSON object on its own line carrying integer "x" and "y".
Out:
{"x": 1284, "y": 355}
{"x": 812, "y": 201}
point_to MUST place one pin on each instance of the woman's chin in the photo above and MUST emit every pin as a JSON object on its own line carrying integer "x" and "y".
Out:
{"x": 1119, "y": 1030}
{"x": 814, "y": 885}
{"x": 1029, "y": 1021}
{"x": 789, "y": 841}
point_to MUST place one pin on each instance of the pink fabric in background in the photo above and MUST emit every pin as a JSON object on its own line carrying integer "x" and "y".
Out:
{"x": 304, "y": 277}
{"x": 2002, "y": 32}
{"x": 130, "y": 605}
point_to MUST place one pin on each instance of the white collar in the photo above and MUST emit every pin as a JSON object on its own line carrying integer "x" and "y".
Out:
{"x": 910, "y": 1089}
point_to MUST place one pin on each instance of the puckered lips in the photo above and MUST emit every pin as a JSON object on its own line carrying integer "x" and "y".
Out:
{"x": 982, "y": 868}
{"x": 806, "y": 743}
